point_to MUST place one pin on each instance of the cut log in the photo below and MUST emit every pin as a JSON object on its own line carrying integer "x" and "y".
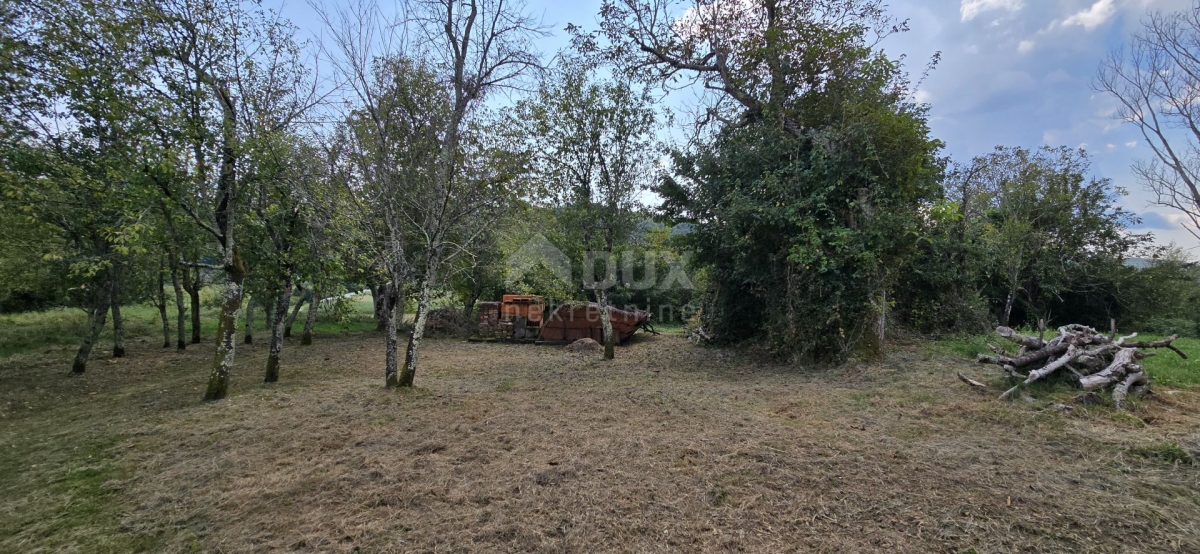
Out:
{"x": 1038, "y": 355}
{"x": 1164, "y": 343}
{"x": 1052, "y": 366}
{"x": 1122, "y": 390}
{"x": 1115, "y": 371}
{"x": 971, "y": 382}
{"x": 1023, "y": 340}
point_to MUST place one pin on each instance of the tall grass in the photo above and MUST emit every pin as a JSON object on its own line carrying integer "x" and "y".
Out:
{"x": 64, "y": 327}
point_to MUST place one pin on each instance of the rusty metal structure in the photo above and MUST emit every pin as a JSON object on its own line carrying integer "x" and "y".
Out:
{"x": 522, "y": 317}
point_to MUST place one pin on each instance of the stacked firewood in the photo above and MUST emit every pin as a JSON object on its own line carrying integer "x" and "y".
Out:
{"x": 1095, "y": 361}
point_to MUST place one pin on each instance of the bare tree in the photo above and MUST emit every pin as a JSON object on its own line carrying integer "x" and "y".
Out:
{"x": 434, "y": 195}
{"x": 751, "y": 56}
{"x": 1156, "y": 80}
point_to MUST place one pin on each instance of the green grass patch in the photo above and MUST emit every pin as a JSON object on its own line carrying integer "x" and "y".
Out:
{"x": 64, "y": 327}
{"x": 1167, "y": 452}
{"x": 1167, "y": 368}
{"x": 78, "y": 504}
{"x": 967, "y": 346}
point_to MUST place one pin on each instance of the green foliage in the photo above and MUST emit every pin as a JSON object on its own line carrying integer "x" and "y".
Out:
{"x": 802, "y": 234}
{"x": 1021, "y": 235}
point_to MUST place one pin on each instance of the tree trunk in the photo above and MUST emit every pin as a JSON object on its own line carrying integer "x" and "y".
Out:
{"x": 291, "y": 320}
{"x": 881, "y": 325}
{"x": 97, "y": 313}
{"x": 390, "y": 297}
{"x": 1008, "y": 305}
{"x": 280, "y": 320}
{"x": 310, "y": 318}
{"x": 412, "y": 354}
{"x": 606, "y": 324}
{"x": 180, "y": 309}
{"x": 193, "y": 289}
{"x": 249, "y": 321}
{"x": 162, "y": 306}
{"x": 218, "y": 381}
{"x": 380, "y": 301}
{"x": 268, "y": 309}
{"x": 118, "y": 323}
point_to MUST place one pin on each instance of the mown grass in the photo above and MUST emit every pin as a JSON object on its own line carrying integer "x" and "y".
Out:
{"x": 1165, "y": 368}
{"x": 63, "y": 327}
{"x": 75, "y": 486}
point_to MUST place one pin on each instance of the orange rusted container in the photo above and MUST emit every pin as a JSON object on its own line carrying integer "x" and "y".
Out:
{"x": 571, "y": 322}
{"x": 529, "y": 306}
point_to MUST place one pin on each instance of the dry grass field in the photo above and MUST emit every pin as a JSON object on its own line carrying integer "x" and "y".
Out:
{"x": 511, "y": 448}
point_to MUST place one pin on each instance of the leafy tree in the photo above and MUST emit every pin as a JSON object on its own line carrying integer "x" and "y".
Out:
{"x": 593, "y": 140}
{"x": 806, "y": 199}
{"x": 69, "y": 138}
{"x": 1050, "y": 232}
{"x": 456, "y": 179}
{"x": 226, "y": 76}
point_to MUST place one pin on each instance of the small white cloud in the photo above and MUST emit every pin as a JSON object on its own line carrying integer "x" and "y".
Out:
{"x": 1026, "y": 46}
{"x": 1131, "y": 144}
{"x": 972, "y": 8}
{"x": 972, "y": 49}
{"x": 1083, "y": 146}
{"x": 1110, "y": 147}
{"x": 922, "y": 96}
{"x": 1092, "y": 17}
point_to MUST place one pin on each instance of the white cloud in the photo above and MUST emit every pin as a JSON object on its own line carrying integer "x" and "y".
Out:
{"x": 1092, "y": 17}
{"x": 1131, "y": 144}
{"x": 922, "y": 96}
{"x": 972, "y": 8}
{"x": 1111, "y": 147}
{"x": 1026, "y": 46}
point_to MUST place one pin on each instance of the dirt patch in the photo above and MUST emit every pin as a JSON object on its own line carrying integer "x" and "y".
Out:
{"x": 584, "y": 346}
{"x": 508, "y": 447}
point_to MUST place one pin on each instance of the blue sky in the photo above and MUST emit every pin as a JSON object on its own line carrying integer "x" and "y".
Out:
{"x": 1013, "y": 72}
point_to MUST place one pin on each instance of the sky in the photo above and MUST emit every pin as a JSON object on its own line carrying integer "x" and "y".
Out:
{"x": 1012, "y": 72}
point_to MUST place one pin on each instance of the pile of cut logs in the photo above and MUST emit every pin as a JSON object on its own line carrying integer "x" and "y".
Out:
{"x": 1095, "y": 360}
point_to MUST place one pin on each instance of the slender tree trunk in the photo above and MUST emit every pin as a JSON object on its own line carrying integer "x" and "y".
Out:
{"x": 881, "y": 326}
{"x": 268, "y": 310}
{"x": 249, "y": 321}
{"x": 193, "y": 290}
{"x": 97, "y": 313}
{"x": 1008, "y": 305}
{"x": 380, "y": 301}
{"x": 310, "y": 318}
{"x": 291, "y": 320}
{"x": 412, "y": 354}
{"x": 162, "y": 305}
{"x": 180, "y": 309}
{"x": 606, "y": 324}
{"x": 118, "y": 323}
{"x": 391, "y": 296}
{"x": 218, "y": 381}
{"x": 279, "y": 321}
